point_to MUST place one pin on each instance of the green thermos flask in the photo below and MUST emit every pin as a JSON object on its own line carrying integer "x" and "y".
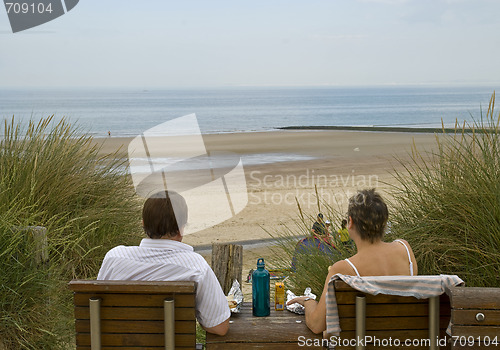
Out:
{"x": 260, "y": 290}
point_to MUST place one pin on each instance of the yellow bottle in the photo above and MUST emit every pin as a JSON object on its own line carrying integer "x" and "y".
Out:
{"x": 279, "y": 296}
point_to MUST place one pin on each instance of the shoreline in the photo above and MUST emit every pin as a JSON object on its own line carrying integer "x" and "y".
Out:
{"x": 311, "y": 128}
{"x": 321, "y": 143}
{"x": 384, "y": 129}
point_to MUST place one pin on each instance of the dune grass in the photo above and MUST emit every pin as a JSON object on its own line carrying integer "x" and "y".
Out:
{"x": 448, "y": 203}
{"x": 52, "y": 175}
{"x": 310, "y": 264}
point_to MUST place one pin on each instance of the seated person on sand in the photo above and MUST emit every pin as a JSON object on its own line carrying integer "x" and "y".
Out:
{"x": 328, "y": 227}
{"x": 318, "y": 227}
{"x": 367, "y": 215}
{"x": 163, "y": 257}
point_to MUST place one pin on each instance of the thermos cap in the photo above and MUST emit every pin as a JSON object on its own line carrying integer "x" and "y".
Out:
{"x": 260, "y": 263}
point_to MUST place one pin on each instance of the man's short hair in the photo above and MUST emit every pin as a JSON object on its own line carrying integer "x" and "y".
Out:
{"x": 164, "y": 214}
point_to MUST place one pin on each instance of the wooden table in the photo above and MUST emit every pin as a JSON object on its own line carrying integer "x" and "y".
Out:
{"x": 280, "y": 330}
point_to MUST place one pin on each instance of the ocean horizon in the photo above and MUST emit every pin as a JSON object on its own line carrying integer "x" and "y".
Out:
{"x": 129, "y": 112}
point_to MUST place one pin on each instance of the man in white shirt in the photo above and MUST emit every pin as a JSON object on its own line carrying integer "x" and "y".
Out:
{"x": 163, "y": 257}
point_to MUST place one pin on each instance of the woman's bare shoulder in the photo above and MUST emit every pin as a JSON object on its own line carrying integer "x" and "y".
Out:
{"x": 340, "y": 266}
{"x": 403, "y": 241}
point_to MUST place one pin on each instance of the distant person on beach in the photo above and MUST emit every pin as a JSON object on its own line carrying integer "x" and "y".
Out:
{"x": 343, "y": 234}
{"x": 367, "y": 218}
{"x": 109, "y": 133}
{"x": 327, "y": 227}
{"x": 319, "y": 227}
{"x": 163, "y": 257}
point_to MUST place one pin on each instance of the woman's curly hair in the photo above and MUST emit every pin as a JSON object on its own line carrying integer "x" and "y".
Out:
{"x": 369, "y": 213}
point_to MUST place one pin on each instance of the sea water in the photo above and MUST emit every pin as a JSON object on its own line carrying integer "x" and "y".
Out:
{"x": 129, "y": 112}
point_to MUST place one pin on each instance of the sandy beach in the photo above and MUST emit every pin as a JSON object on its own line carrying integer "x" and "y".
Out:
{"x": 336, "y": 162}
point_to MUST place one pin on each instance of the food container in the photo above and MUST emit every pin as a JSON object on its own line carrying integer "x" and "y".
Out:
{"x": 235, "y": 297}
{"x": 279, "y": 296}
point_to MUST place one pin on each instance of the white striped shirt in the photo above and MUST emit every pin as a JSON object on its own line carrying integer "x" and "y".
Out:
{"x": 168, "y": 260}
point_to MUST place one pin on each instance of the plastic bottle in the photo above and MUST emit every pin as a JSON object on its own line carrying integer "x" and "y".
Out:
{"x": 260, "y": 290}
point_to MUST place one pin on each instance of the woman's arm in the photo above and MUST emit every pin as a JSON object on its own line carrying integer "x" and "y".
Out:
{"x": 315, "y": 312}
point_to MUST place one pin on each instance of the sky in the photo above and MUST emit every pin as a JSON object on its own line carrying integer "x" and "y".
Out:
{"x": 177, "y": 44}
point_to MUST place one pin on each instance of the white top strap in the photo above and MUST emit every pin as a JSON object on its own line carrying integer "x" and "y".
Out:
{"x": 354, "y": 267}
{"x": 408, "y": 252}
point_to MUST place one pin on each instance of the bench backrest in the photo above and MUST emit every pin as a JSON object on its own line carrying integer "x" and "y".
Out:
{"x": 126, "y": 314}
{"x": 475, "y": 315}
{"x": 390, "y": 317}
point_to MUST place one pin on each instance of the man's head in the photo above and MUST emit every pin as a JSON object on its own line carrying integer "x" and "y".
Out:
{"x": 320, "y": 217}
{"x": 164, "y": 214}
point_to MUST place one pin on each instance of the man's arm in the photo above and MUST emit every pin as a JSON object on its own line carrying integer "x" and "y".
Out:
{"x": 212, "y": 309}
{"x": 220, "y": 329}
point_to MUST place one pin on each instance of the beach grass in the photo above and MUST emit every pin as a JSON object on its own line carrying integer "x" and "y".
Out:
{"x": 310, "y": 263}
{"x": 52, "y": 175}
{"x": 447, "y": 203}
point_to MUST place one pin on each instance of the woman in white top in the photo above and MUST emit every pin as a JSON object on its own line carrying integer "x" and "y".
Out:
{"x": 367, "y": 218}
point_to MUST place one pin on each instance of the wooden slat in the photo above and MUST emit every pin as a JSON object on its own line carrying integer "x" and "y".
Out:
{"x": 131, "y": 287}
{"x": 83, "y": 326}
{"x": 141, "y": 300}
{"x": 266, "y": 346}
{"x": 475, "y": 298}
{"x": 410, "y": 347}
{"x": 468, "y": 317}
{"x": 491, "y": 346}
{"x": 271, "y": 331}
{"x": 370, "y": 347}
{"x": 138, "y": 340}
{"x": 342, "y": 286}
{"x": 475, "y": 331}
{"x": 135, "y": 348}
{"x": 401, "y": 334}
{"x": 246, "y": 308}
{"x": 383, "y": 310}
{"x": 386, "y": 323}
{"x": 350, "y": 298}
{"x": 135, "y": 313}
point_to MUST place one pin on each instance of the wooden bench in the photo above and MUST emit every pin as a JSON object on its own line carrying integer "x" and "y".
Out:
{"x": 475, "y": 314}
{"x": 387, "y": 317}
{"x": 134, "y": 315}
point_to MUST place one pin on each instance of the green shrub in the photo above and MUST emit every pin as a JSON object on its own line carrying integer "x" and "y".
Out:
{"x": 448, "y": 204}
{"x": 52, "y": 176}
